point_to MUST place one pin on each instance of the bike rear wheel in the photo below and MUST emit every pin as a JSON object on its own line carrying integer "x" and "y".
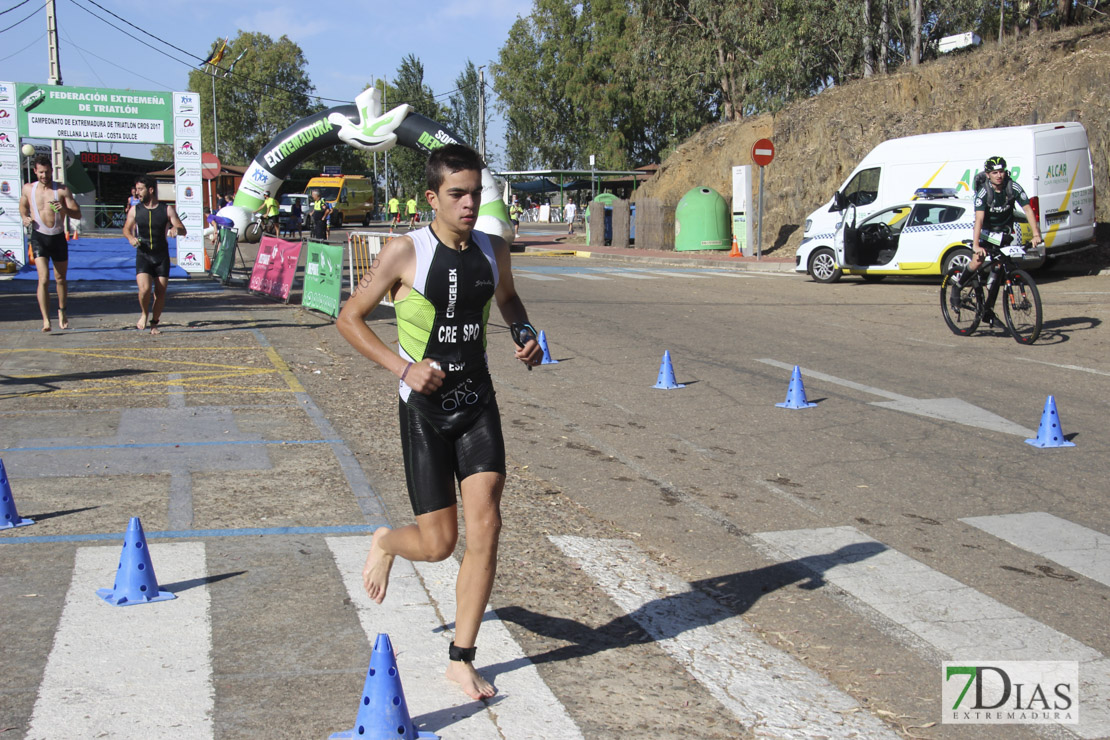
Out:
{"x": 962, "y": 318}
{"x": 1021, "y": 304}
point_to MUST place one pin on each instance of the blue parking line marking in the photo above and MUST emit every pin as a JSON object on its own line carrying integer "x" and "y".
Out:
{"x": 136, "y": 445}
{"x": 195, "y": 533}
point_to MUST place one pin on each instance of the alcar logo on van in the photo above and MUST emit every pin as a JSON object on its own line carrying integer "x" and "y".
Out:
{"x": 1059, "y": 170}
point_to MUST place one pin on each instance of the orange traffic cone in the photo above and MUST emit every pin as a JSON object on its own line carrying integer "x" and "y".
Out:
{"x": 735, "y": 248}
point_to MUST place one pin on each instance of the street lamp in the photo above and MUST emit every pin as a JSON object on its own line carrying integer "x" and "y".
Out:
{"x": 28, "y": 152}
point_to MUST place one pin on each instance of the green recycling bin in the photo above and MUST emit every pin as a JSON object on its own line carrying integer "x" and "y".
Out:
{"x": 701, "y": 221}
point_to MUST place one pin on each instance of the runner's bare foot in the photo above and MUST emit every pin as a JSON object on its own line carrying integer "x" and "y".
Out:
{"x": 141, "y": 323}
{"x": 375, "y": 574}
{"x": 154, "y": 327}
{"x": 468, "y": 679}
{"x": 63, "y": 320}
{"x": 46, "y": 326}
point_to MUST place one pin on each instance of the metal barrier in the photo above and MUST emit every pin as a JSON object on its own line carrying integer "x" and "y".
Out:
{"x": 362, "y": 248}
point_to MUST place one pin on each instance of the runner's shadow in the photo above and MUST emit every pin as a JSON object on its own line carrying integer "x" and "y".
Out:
{"x": 443, "y": 718}
{"x": 672, "y": 615}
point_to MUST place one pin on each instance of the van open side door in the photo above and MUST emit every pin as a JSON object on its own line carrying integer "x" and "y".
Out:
{"x": 846, "y": 238}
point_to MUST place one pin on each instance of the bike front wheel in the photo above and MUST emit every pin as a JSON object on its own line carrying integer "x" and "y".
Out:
{"x": 1021, "y": 304}
{"x": 962, "y": 308}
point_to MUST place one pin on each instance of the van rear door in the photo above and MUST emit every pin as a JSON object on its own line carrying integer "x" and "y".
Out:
{"x": 1064, "y": 186}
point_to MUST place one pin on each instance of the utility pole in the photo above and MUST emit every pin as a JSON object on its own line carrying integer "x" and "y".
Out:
{"x": 57, "y": 149}
{"x": 385, "y": 186}
{"x": 482, "y": 112}
{"x": 215, "y": 135}
{"x": 375, "y": 158}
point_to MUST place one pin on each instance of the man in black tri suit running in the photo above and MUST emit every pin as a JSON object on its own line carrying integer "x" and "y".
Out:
{"x": 443, "y": 279}
{"x": 147, "y": 226}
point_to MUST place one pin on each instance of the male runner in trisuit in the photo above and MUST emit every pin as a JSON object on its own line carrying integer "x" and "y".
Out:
{"x": 44, "y": 205}
{"x": 443, "y": 278}
{"x": 147, "y": 226}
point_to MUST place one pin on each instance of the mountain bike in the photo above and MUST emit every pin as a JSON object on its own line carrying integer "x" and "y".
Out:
{"x": 1021, "y": 301}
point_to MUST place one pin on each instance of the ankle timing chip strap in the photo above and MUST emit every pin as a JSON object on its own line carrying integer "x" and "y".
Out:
{"x": 466, "y": 655}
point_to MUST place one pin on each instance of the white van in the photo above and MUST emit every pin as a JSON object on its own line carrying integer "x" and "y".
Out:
{"x": 1051, "y": 161}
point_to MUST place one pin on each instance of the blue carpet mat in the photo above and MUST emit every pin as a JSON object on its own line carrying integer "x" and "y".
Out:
{"x": 101, "y": 259}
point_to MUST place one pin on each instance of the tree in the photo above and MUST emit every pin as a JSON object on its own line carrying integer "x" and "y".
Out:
{"x": 463, "y": 105}
{"x": 261, "y": 88}
{"x": 571, "y": 83}
{"x": 406, "y": 167}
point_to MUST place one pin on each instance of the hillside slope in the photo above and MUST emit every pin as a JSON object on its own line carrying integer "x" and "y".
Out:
{"x": 1059, "y": 76}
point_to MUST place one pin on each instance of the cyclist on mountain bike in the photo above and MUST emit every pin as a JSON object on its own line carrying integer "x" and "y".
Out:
{"x": 994, "y": 213}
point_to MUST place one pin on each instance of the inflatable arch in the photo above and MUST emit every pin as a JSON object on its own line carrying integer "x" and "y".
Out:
{"x": 363, "y": 126}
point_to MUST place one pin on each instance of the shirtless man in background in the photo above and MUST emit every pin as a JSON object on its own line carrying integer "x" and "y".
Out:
{"x": 44, "y": 206}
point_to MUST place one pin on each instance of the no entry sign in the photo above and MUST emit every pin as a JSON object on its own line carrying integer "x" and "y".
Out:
{"x": 209, "y": 166}
{"x": 763, "y": 151}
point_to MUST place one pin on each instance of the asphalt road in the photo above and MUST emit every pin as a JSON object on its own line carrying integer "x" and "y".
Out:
{"x": 693, "y": 562}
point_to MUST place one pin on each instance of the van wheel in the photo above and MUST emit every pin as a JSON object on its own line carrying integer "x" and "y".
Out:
{"x": 822, "y": 266}
{"x": 958, "y": 257}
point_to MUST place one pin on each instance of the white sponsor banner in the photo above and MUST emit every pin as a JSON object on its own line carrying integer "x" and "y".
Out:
{"x": 186, "y": 127}
{"x": 190, "y": 253}
{"x": 186, "y": 103}
{"x": 188, "y": 194}
{"x": 92, "y": 128}
{"x": 188, "y": 181}
{"x": 11, "y": 225}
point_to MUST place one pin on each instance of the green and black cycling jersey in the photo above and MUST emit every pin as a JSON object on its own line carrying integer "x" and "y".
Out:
{"x": 998, "y": 205}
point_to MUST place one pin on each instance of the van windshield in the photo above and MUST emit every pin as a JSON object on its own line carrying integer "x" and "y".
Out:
{"x": 864, "y": 187}
{"x": 326, "y": 193}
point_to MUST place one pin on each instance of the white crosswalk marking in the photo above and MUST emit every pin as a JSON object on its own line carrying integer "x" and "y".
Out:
{"x": 675, "y": 274}
{"x": 956, "y": 620}
{"x": 632, "y": 275}
{"x": 130, "y": 671}
{"x": 587, "y": 276}
{"x": 766, "y": 689}
{"x": 533, "y": 276}
{"x": 413, "y": 615}
{"x": 1077, "y": 548}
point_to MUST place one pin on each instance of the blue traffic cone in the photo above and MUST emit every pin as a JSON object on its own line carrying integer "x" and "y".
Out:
{"x": 546, "y": 352}
{"x": 382, "y": 712}
{"x": 796, "y": 393}
{"x": 9, "y": 517}
{"x": 135, "y": 580}
{"x": 666, "y": 379}
{"x": 1050, "y": 433}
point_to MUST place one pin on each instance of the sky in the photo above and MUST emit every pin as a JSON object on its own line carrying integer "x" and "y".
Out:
{"x": 346, "y": 45}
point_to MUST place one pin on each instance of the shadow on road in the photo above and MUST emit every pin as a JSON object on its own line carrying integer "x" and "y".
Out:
{"x": 678, "y": 613}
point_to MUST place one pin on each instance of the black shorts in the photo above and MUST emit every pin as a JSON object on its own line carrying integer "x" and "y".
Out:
{"x": 152, "y": 263}
{"x": 52, "y": 246}
{"x": 437, "y": 455}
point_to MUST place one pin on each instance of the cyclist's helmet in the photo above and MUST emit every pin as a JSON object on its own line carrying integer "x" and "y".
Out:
{"x": 994, "y": 164}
